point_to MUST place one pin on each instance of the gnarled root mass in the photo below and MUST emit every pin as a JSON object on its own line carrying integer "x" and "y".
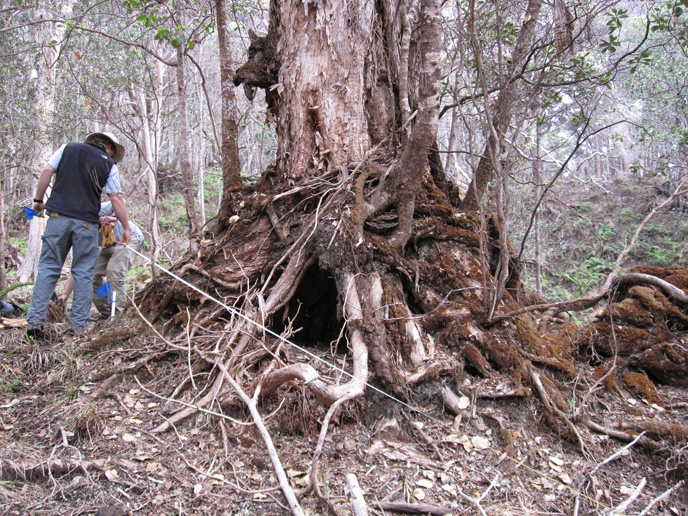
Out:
{"x": 297, "y": 294}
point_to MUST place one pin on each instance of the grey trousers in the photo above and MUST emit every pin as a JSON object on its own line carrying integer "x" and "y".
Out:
{"x": 62, "y": 234}
{"x": 114, "y": 262}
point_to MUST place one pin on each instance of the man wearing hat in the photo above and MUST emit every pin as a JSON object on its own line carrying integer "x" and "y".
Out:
{"x": 83, "y": 171}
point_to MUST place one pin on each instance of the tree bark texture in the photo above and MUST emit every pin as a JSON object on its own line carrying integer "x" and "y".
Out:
{"x": 231, "y": 163}
{"x": 326, "y": 70}
{"x": 503, "y": 109}
{"x": 329, "y": 73}
{"x": 3, "y": 245}
{"x": 47, "y": 71}
{"x": 184, "y": 152}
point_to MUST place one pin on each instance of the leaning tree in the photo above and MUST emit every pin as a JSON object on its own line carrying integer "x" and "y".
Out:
{"x": 353, "y": 239}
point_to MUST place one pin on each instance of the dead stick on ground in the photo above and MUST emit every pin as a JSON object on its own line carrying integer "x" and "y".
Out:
{"x": 428, "y": 440}
{"x": 476, "y": 501}
{"x": 358, "y": 503}
{"x": 313, "y": 482}
{"x": 617, "y": 454}
{"x": 661, "y": 497}
{"x": 279, "y": 470}
{"x": 411, "y": 508}
{"x": 622, "y": 436}
{"x": 621, "y": 508}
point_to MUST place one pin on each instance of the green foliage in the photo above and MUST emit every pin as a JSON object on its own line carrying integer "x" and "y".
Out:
{"x": 605, "y": 232}
{"x": 587, "y": 275}
{"x": 580, "y": 119}
{"x": 643, "y": 58}
{"x": 628, "y": 216}
{"x": 139, "y": 274}
{"x": 10, "y": 382}
{"x": 583, "y": 207}
{"x": 662, "y": 256}
{"x": 614, "y": 25}
{"x": 172, "y": 214}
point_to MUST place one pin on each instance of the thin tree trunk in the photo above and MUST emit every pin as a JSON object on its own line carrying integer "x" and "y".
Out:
{"x": 3, "y": 236}
{"x": 414, "y": 159}
{"x": 537, "y": 172}
{"x": 47, "y": 73}
{"x": 184, "y": 151}
{"x": 503, "y": 109}
{"x": 231, "y": 162}
{"x": 452, "y": 145}
{"x": 149, "y": 153}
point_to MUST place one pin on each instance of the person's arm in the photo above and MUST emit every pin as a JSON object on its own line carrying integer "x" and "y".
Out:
{"x": 120, "y": 208}
{"x": 69, "y": 286}
{"x": 43, "y": 183}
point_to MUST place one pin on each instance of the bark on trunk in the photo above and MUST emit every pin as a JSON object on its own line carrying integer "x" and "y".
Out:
{"x": 503, "y": 110}
{"x": 3, "y": 236}
{"x": 325, "y": 71}
{"x": 184, "y": 158}
{"x": 47, "y": 72}
{"x": 231, "y": 162}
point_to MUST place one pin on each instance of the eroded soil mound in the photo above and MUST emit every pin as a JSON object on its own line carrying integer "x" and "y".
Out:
{"x": 642, "y": 336}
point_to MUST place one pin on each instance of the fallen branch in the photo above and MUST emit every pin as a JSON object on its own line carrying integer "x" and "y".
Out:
{"x": 661, "y": 497}
{"x": 622, "y": 436}
{"x": 659, "y": 429}
{"x": 616, "y": 454}
{"x": 428, "y": 440}
{"x": 476, "y": 501}
{"x": 126, "y": 366}
{"x": 357, "y": 501}
{"x": 277, "y": 464}
{"x": 554, "y": 412}
{"x": 12, "y": 471}
{"x": 313, "y": 480}
{"x": 410, "y": 508}
{"x": 621, "y": 508}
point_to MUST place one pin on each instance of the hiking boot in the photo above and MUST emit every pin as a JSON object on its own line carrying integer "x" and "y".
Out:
{"x": 73, "y": 332}
{"x": 35, "y": 331}
{"x": 101, "y": 317}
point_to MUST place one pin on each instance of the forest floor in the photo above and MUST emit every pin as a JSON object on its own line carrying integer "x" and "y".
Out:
{"x": 76, "y": 437}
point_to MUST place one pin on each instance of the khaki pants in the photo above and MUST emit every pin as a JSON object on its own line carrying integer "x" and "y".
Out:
{"x": 113, "y": 262}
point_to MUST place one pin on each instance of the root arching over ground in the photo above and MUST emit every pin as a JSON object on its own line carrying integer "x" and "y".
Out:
{"x": 315, "y": 266}
{"x": 290, "y": 326}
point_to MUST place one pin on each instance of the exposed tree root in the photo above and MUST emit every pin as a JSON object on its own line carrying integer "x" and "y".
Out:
{"x": 408, "y": 314}
{"x": 657, "y": 429}
{"x": 37, "y": 471}
{"x": 622, "y": 436}
{"x": 279, "y": 470}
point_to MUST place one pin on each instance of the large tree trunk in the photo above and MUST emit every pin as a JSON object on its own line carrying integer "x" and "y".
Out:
{"x": 327, "y": 68}
{"x": 331, "y": 84}
{"x": 347, "y": 242}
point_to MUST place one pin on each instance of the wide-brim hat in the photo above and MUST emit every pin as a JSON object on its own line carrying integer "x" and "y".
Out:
{"x": 119, "y": 152}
